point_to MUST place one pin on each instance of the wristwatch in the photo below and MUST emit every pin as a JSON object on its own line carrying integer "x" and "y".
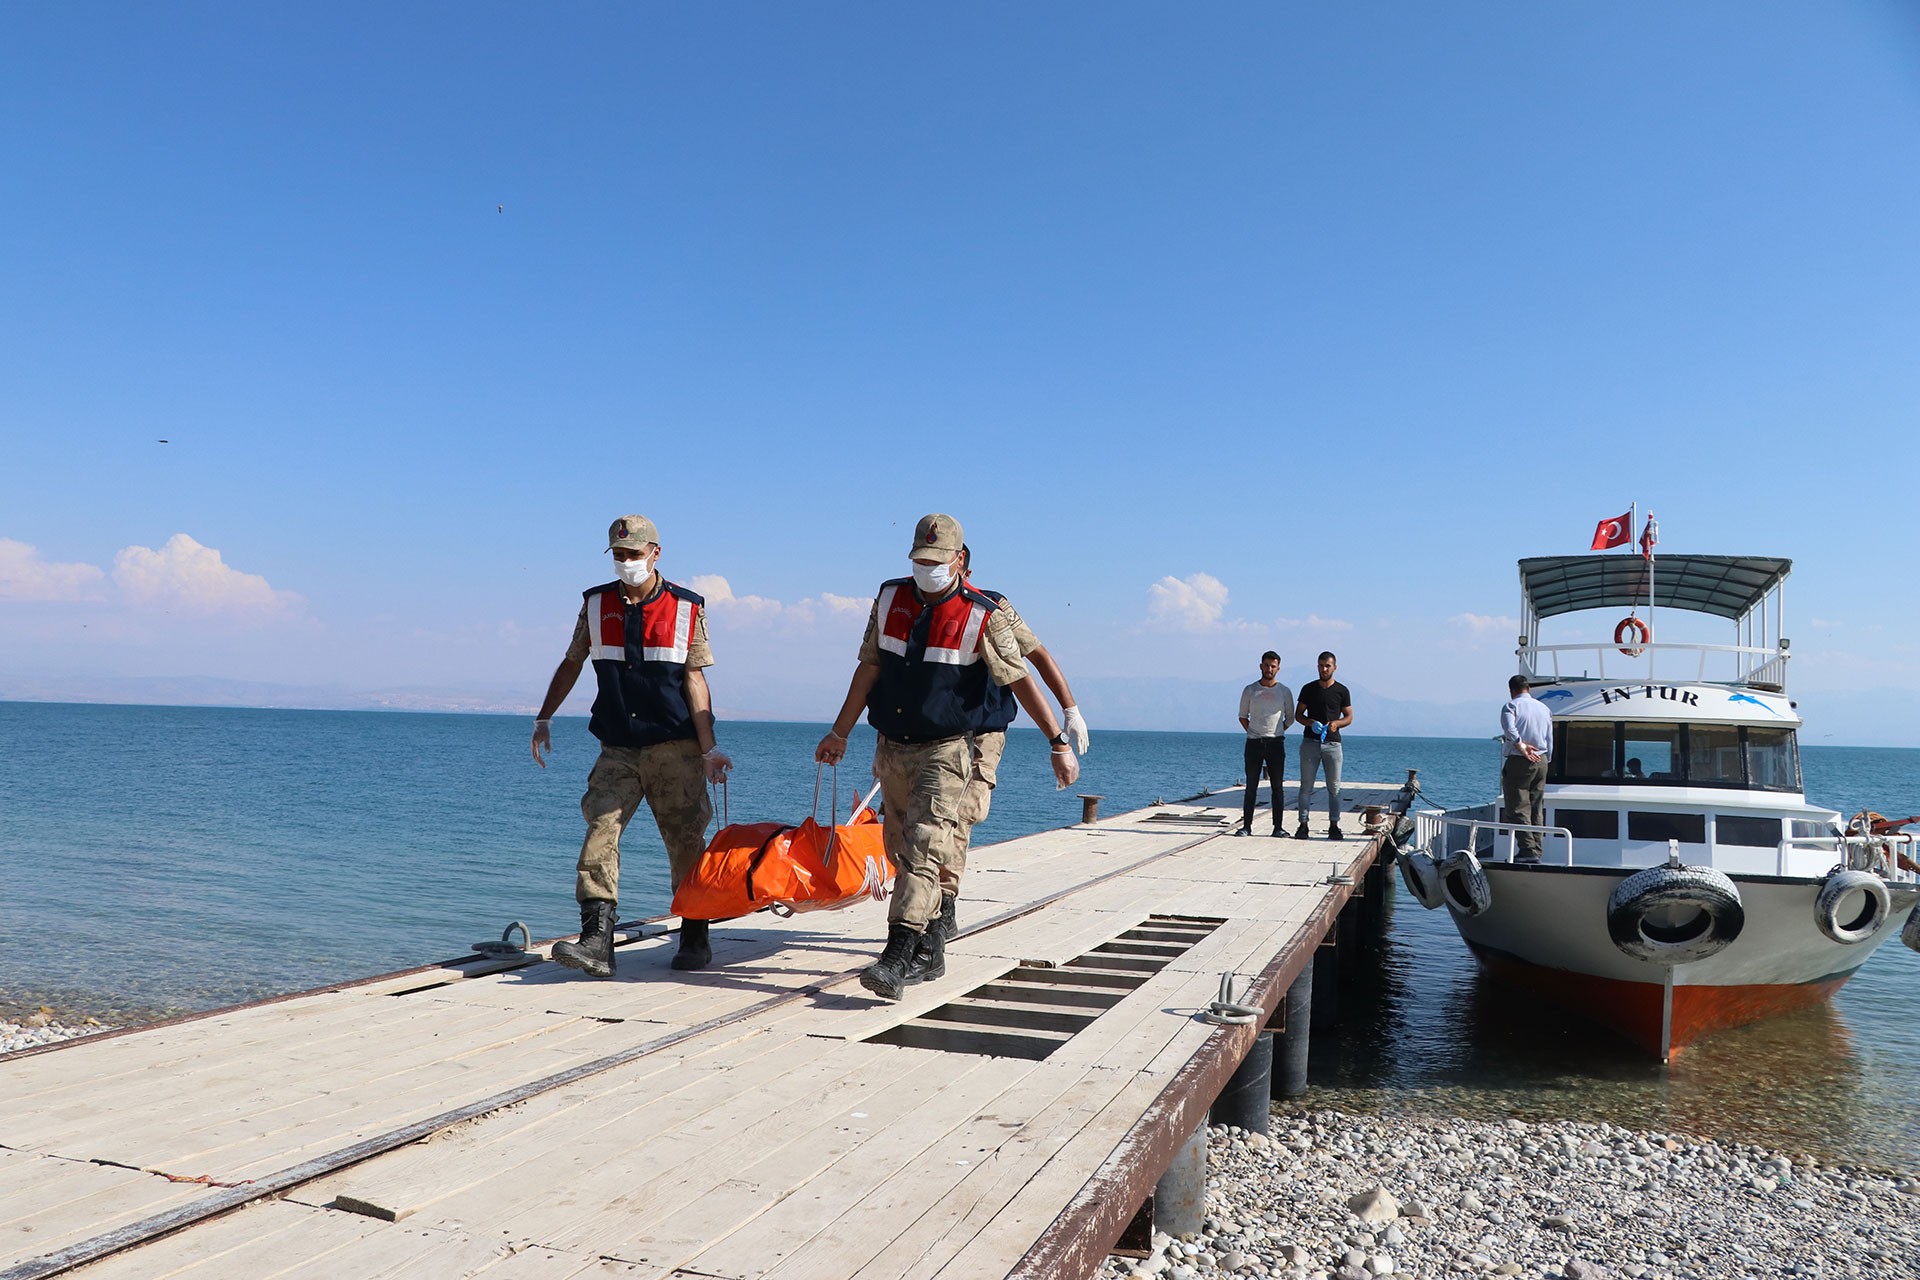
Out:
{"x": 1058, "y": 739}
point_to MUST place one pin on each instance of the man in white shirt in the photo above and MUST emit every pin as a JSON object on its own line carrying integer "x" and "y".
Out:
{"x": 1266, "y": 706}
{"x": 1526, "y": 736}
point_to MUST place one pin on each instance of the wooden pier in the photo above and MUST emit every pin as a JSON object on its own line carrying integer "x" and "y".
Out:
{"x": 764, "y": 1118}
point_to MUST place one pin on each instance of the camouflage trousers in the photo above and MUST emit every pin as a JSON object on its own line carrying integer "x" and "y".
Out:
{"x": 923, "y": 791}
{"x": 672, "y": 780}
{"x": 981, "y": 780}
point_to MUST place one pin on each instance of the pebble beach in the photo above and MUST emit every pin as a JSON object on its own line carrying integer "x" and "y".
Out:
{"x": 1333, "y": 1196}
{"x": 41, "y": 1028}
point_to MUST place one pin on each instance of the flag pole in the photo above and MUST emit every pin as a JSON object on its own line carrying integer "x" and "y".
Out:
{"x": 1650, "y": 599}
{"x": 1633, "y": 522}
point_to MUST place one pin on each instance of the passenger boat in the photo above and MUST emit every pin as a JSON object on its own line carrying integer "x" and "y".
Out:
{"x": 1685, "y": 883}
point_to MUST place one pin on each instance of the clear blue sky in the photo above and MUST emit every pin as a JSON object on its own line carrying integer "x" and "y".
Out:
{"x": 1345, "y": 307}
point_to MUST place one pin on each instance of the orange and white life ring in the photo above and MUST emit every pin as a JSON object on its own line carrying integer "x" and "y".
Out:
{"x": 1640, "y": 631}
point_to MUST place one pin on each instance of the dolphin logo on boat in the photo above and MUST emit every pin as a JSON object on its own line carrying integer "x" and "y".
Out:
{"x": 1747, "y": 697}
{"x": 1556, "y": 693}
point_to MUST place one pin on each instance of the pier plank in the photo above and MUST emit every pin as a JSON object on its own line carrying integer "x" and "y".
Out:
{"x": 867, "y": 1227}
{"x": 771, "y": 1137}
{"x": 946, "y": 1224}
{"x": 852, "y": 1013}
{"x": 180, "y": 1065}
{"x": 504, "y": 1153}
{"x": 293, "y": 1242}
{"x": 47, "y": 1203}
{"x": 229, "y": 1128}
{"x": 711, "y": 1198}
{"x": 175, "y": 1049}
{"x": 886, "y": 1159}
{"x": 1002, "y": 1240}
{"x": 586, "y": 1168}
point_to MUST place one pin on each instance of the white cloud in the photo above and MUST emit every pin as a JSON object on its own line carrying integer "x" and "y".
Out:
{"x": 185, "y": 575}
{"x": 1314, "y": 622}
{"x": 1195, "y": 603}
{"x": 25, "y": 576}
{"x": 1481, "y": 623}
{"x": 722, "y": 602}
{"x": 721, "y": 599}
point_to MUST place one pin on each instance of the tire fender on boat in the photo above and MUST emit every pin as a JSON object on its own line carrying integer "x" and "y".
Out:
{"x": 1861, "y": 922}
{"x": 1422, "y": 878}
{"x": 1463, "y": 884}
{"x": 1675, "y": 915}
{"x": 1910, "y": 934}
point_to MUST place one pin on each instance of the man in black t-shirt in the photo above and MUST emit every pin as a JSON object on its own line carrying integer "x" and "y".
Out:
{"x": 1325, "y": 708}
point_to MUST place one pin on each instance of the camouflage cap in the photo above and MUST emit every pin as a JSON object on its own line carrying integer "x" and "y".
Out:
{"x": 936, "y": 536}
{"x": 636, "y": 533}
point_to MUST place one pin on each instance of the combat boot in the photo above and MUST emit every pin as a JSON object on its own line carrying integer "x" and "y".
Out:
{"x": 887, "y": 976}
{"x": 930, "y": 957}
{"x": 593, "y": 954}
{"x": 948, "y": 921}
{"x": 695, "y": 952}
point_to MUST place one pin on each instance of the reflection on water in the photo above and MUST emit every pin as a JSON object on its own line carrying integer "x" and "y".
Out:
{"x": 1424, "y": 1030}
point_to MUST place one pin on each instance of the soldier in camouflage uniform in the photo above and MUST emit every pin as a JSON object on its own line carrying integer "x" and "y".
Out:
{"x": 653, "y": 715}
{"x": 989, "y": 745}
{"x": 934, "y": 651}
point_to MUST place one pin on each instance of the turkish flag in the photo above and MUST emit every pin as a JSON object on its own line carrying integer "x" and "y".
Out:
{"x": 1617, "y": 532}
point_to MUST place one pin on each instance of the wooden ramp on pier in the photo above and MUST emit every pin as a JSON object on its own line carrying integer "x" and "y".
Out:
{"x": 764, "y": 1118}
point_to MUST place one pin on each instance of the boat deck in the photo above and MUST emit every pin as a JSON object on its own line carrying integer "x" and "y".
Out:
{"x": 764, "y": 1118}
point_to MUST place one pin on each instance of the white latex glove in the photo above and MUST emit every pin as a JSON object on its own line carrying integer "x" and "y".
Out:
{"x": 1076, "y": 727}
{"x": 717, "y": 763}
{"x": 1066, "y": 769}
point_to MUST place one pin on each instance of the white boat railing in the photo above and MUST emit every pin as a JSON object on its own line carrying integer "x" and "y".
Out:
{"x": 1444, "y": 833}
{"x": 1765, "y": 666}
{"x": 1891, "y": 857}
{"x": 1439, "y": 834}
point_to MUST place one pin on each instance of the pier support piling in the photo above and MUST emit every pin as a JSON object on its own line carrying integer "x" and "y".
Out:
{"x": 1348, "y": 932}
{"x": 1180, "y": 1197}
{"x": 1290, "y": 1074}
{"x": 1246, "y": 1098}
{"x": 1376, "y": 898}
{"x": 1326, "y": 982}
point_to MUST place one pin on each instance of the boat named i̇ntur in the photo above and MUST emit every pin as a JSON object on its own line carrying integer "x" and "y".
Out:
{"x": 1685, "y": 884}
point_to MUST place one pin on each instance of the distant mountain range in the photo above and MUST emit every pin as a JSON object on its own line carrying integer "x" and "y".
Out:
{"x": 1873, "y": 718}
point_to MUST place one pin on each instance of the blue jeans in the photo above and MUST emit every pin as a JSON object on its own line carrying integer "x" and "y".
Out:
{"x": 1314, "y": 756}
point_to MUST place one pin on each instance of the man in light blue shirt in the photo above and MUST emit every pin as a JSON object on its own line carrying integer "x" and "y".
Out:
{"x": 1526, "y": 737}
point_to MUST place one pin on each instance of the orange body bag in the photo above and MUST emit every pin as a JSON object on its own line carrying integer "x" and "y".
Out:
{"x": 751, "y": 865}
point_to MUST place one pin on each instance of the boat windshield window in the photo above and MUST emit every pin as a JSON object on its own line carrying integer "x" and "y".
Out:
{"x": 1773, "y": 759}
{"x": 1583, "y": 749}
{"x": 1652, "y": 752}
{"x": 1750, "y": 757}
{"x": 1713, "y": 757}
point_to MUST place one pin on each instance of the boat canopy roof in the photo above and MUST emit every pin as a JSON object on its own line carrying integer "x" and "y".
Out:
{"x": 1729, "y": 586}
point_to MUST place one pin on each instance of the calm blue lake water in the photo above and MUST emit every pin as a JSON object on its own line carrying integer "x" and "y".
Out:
{"x": 159, "y": 859}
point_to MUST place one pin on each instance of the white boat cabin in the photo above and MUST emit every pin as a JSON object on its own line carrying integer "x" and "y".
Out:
{"x": 1655, "y": 741}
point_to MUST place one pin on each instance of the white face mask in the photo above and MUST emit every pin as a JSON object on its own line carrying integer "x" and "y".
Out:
{"x": 634, "y": 572}
{"x": 932, "y": 578}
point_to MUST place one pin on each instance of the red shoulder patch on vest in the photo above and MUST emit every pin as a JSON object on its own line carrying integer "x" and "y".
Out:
{"x": 613, "y": 620}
